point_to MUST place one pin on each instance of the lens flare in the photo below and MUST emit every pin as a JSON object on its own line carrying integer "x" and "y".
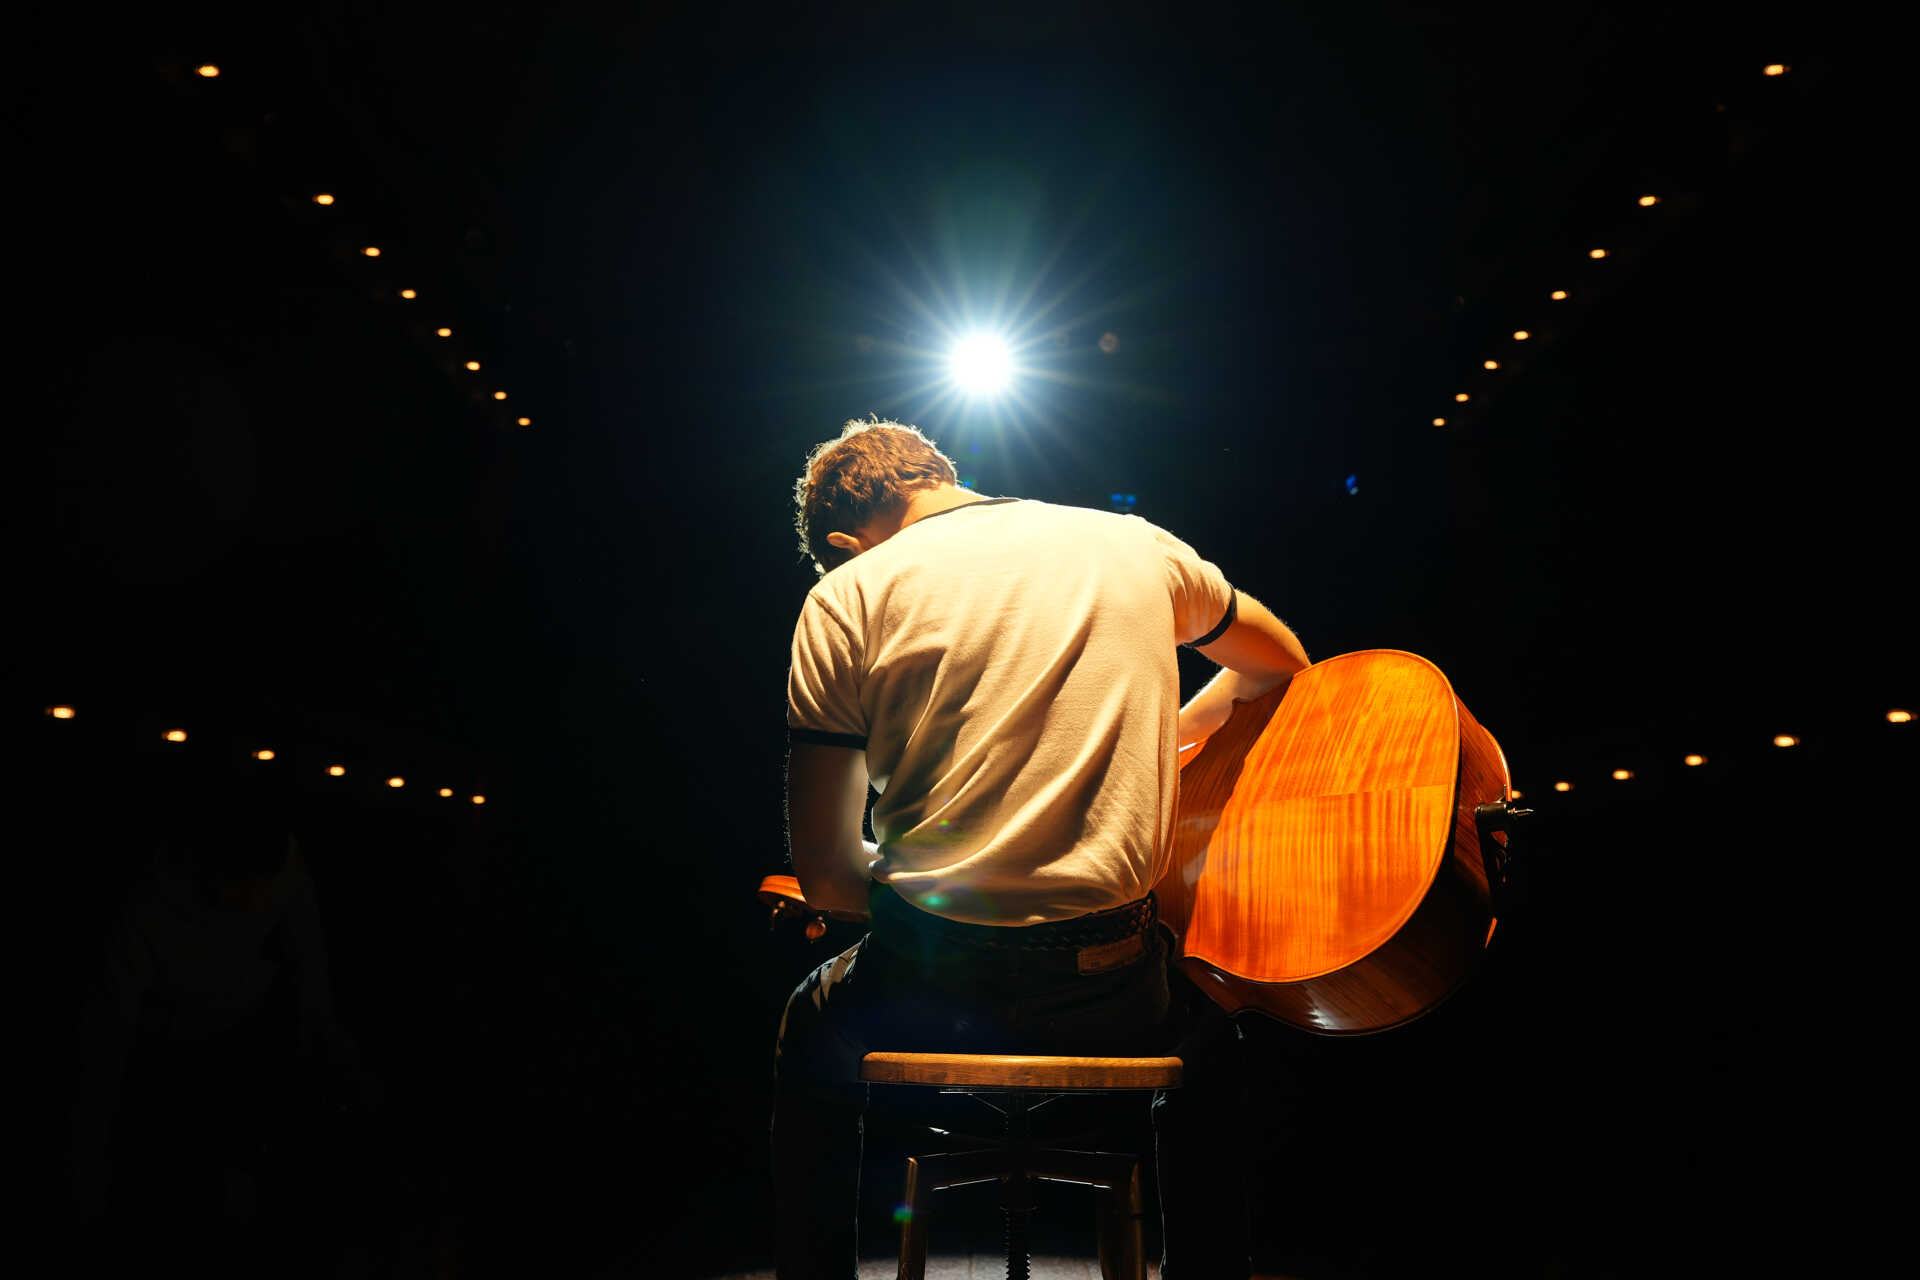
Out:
{"x": 981, "y": 364}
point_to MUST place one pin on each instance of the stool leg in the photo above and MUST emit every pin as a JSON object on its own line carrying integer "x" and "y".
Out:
{"x": 928, "y": 1174}
{"x": 913, "y": 1232}
{"x": 1120, "y": 1210}
{"x": 1016, "y": 1205}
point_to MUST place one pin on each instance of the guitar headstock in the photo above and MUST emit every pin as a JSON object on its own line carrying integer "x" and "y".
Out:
{"x": 784, "y": 900}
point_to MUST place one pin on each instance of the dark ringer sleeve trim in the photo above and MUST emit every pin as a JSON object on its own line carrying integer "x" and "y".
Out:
{"x": 820, "y": 739}
{"x": 1233, "y": 611}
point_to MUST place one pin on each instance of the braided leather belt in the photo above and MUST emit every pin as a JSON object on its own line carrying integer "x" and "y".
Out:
{"x": 1101, "y": 928}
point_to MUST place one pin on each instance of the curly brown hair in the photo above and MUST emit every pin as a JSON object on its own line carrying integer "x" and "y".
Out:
{"x": 867, "y": 471}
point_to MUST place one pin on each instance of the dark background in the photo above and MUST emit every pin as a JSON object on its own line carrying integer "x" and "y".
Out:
{"x": 262, "y": 502}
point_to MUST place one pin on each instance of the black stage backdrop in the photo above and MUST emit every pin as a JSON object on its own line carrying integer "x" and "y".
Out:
{"x": 262, "y": 501}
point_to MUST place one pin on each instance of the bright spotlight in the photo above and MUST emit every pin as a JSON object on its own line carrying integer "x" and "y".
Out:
{"x": 981, "y": 364}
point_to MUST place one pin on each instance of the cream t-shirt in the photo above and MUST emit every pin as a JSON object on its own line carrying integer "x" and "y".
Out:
{"x": 1009, "y": 668}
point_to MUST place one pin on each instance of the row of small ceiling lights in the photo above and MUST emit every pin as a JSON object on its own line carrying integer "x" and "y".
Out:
{"x": 64, "y": 712}
{"x": 326, "y": 199}
{"x": 1596, "y": 254}
{"x": 1107, "y": 341}
{"x": 1107, "y": 344}
{"x": 1897, "y": 715}
{"x": 1785, "y": 740}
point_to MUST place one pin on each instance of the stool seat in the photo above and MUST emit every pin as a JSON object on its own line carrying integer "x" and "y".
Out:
{"x": 997, "y": 1071}
{"x": 1030, "y": 1081}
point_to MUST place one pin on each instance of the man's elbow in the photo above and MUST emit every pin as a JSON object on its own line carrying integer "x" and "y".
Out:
{"x": 828, "y": 875}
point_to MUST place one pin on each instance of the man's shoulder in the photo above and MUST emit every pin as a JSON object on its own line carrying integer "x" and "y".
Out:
{"x": 1116, "y": 527}
{"x": 831, "y": 593}
{"x": 1030, "y": 521}
{"x": 1035, "y": 509}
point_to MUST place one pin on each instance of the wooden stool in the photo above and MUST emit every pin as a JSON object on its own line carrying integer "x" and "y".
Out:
{"x": 1029, "y": 1082}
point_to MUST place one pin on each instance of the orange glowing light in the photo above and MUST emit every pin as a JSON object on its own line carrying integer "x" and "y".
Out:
{"x": 336, "y": 771}
{"x": 479, "y": 799}
{"x": 1621, "y": 775}
{"x": 408, "y": 293}
{"x": 60, "y": 713}
{"x": 1491, "y": 364}
{"x": 444, "y": 333}
{"x": 1558, "y": 295}
{"x": 1774, "y": 69}
{"x": 1439, "y": 422}
{"x": 1596, "y": 253}
{"x": 499, "y": 395}
{"x": 1647, "y": 202}
{"x": 525, "y": 422}
{"x": 1516, "y": 793}
{"x": 372, "y": 251}
{"x": 209, "y": 71}
{"x": 474, "y": 365}
{"x": 396, "y": 782}
{"x": 1785, "y": 740}
{"x": 446, "y": 791}
{"x": 263, "y": 755}
{"x": 1521, "y": 335}
{"x": 1563, "y": 786}
{"x": 323, "y": 198}
{"x": 176, "y": 735}
{"x": 1462, "y": 397}
{"x": 1899, "y": 716}
{"x": 1696, "y": 761}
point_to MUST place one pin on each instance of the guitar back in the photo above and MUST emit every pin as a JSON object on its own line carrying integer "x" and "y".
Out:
{"x": 1326, "y": 864}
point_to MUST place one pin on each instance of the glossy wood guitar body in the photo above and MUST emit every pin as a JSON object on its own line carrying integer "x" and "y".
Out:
{"x": 1327, "y": 866}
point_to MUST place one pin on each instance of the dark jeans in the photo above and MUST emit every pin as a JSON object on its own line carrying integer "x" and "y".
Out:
{"x": 901, "y": 988}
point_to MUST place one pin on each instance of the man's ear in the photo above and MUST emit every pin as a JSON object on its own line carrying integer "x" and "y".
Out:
{"x": 846, "y": 542}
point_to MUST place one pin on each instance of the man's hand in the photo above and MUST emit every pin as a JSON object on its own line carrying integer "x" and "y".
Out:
{"x": 1210, "y": 708}
{"x": 826, "y": 799}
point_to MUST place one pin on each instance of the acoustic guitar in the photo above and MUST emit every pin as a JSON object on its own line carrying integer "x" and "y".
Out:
{"x": 1339, "y": 847}
{"x": 1339, "y": 851}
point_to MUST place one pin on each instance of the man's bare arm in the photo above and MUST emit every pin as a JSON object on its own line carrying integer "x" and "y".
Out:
{"x": 826, "y": 798}
{"x": 1256, "y": 654}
